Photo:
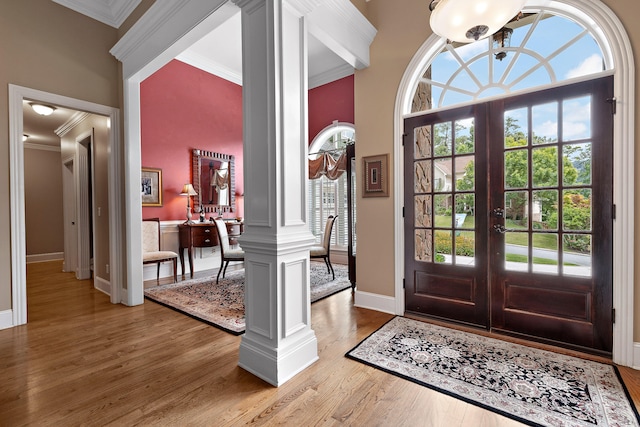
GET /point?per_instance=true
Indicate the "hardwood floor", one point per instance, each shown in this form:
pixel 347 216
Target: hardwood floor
pixel 84 361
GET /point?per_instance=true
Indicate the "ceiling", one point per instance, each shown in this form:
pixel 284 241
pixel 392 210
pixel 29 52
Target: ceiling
pixel 218 53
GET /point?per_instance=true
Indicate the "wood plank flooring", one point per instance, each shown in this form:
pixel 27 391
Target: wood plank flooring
pixel 84 361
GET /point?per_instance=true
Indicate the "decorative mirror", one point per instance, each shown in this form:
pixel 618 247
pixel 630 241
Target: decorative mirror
pixel 214 180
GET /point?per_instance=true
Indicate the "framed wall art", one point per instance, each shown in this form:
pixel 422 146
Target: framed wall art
pixel 151 187
pixel 376 176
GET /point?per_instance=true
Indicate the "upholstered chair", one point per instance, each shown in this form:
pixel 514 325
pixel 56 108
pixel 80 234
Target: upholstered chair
pixel 324 250
pixel 227 253
pixel 151 250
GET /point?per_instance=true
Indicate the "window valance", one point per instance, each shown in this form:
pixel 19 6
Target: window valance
pixel 327 165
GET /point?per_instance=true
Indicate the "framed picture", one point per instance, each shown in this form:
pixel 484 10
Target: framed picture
pixel 376 181
pixel 151 187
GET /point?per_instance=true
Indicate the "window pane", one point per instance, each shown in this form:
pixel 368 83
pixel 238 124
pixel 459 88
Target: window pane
pixel 464 136
pixel 545 253
pixel 545 210
pixel 576 164
pixel 576 210
pixel 577 254
pixel 442 175
pixel 576 118
pixel 544 123
pixel 465 173
pixel 442 208
pixel 442 139
pixel 465 208
pixel 516 251
pixel 545 166
pixel 516 169
pixel 443 245
pixel 516 207
pixel 516 129
pixel 422 138
pixel 465 248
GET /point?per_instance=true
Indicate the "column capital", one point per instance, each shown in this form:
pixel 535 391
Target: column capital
pixel 302 7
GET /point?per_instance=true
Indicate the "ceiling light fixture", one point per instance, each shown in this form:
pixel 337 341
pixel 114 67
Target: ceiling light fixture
pixel 501 41
pixel 465 21
pixel 42 109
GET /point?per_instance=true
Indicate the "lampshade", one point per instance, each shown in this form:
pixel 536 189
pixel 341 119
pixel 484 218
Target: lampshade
pixel 188 190
pixel 43 110
pixel 465 21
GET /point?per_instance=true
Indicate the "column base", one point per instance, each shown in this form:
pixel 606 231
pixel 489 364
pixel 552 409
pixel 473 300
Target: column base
pixel 277 365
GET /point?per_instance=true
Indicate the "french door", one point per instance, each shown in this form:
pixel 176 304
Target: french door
pixel 508 215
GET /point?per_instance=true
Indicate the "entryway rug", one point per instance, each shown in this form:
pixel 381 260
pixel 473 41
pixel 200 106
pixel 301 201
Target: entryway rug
pixel 536 387
pixel 222 305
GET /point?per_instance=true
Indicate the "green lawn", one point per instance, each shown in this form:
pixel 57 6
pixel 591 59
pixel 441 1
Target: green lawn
pixel 543 241
pixel 536 260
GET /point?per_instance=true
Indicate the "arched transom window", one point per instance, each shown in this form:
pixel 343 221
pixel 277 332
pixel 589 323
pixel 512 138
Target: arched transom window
pixel 544 49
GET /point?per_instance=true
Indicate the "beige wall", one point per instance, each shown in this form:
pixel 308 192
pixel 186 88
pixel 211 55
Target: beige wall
pixel 48 47
pixel 402 28
pixel 43 201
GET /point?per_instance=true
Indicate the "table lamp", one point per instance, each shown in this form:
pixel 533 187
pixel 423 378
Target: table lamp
pixel 188 191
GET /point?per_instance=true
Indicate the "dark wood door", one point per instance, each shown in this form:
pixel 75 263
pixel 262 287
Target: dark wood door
pixel 551 215
pixel 446 224
pixel 508 215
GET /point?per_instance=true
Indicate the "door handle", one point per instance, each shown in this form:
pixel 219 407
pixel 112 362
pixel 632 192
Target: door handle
pixel 501 228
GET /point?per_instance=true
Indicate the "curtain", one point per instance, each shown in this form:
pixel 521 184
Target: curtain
pixel 326 165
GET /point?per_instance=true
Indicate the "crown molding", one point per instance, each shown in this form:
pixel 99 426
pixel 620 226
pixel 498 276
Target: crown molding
pixel 210 66
pixel 77 118
pixel 41 147
pixel 110 12
pixel 331 75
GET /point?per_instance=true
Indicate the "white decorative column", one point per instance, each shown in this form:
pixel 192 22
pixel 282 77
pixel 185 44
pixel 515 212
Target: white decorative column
pixel 278 342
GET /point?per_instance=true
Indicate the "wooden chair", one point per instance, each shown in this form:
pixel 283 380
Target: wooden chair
pixel 227 254
pixel 324 250
pixel 151 251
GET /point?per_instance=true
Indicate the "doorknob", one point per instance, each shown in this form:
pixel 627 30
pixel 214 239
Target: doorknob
pixel 501 228
pixel 498 212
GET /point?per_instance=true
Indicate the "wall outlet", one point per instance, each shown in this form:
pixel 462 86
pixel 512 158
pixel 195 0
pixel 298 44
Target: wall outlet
pixel 107 268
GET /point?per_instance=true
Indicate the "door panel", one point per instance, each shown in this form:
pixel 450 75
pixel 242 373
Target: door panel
pixel 446 267
pixel 508 215
pixel 551 274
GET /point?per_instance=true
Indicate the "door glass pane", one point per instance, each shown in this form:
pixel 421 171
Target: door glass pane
pixel 422 208
pixel 442 175
pixel 442 139
pixel 465 209
pixel 544 123
pixel 577 254
pixel 576 164
pixel 516 129
pixel 545 166
pixel 545 253
pixel 576 210
pixel 465 248
pixel 422 176
pixel 516 169
pixel 465 173
pixel 422 139
pixel 423 245
pixel 544 214
pixel 516 207
pixel 516 251
pixel 443 245
pixel 464 136
pixel 442 209
pixel 576 118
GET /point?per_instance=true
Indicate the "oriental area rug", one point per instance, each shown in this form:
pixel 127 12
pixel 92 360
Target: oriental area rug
pixel 222 305
pixel 535 387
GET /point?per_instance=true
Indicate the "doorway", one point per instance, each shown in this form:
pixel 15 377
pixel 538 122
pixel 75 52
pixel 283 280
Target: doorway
pixel 509 216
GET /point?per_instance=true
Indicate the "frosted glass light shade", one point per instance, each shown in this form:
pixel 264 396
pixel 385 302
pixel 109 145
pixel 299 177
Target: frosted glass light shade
pixel 463 20
pixel 43 110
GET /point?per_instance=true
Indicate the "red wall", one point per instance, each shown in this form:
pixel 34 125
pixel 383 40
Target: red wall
pixel 183 108
pixel 333 101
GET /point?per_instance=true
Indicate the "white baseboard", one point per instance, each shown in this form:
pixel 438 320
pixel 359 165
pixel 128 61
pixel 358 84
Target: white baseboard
pixel 102 285
pixel 54 256
pixel 636 355
pixel 376 302
pixel 6 319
